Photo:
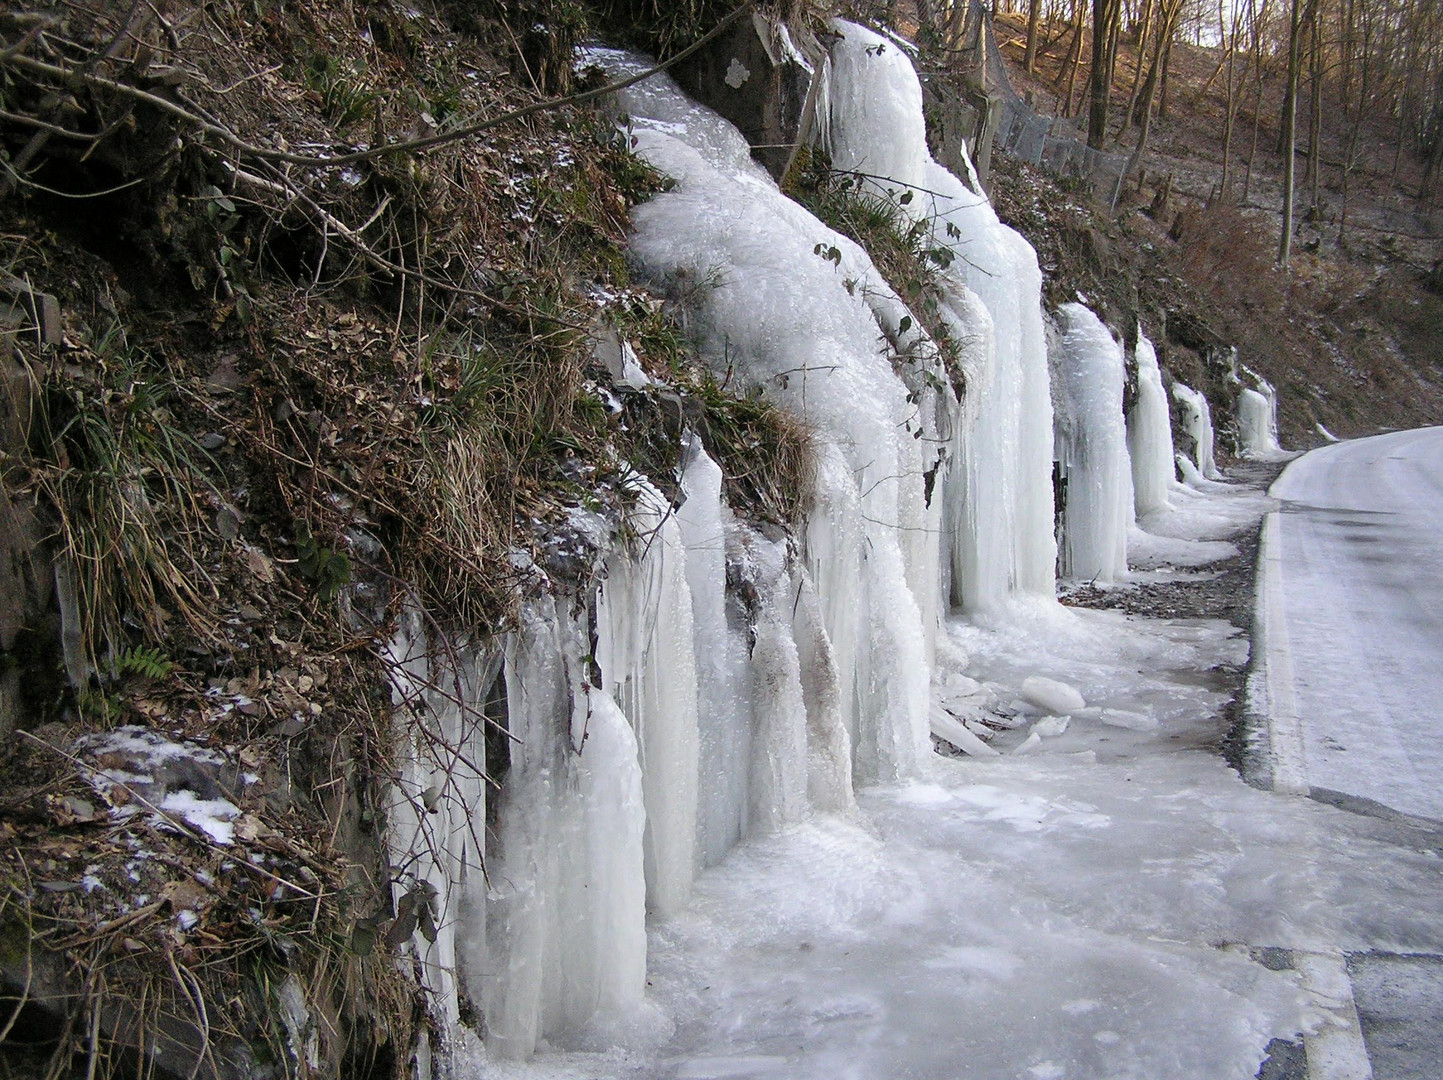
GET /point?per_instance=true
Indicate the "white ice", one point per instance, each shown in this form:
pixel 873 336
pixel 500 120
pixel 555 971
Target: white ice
pixel 812 334
pixel 1149 438
pixel 999 502
pixel 1083 911
pixel 1091 449
pixel 1258 423
pixel 1198 421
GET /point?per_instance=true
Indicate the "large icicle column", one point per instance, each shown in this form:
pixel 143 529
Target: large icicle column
pixel 809 332
pixel 1197 421
pixel 725 722
pixel 1258 419
pixel 1149 437
pixel 999 486
pixel 646 654
pixel 562 955
pixel 1092 449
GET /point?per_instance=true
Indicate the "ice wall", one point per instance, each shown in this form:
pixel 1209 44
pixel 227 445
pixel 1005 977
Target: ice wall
pixel 719 682
pixel 1092 449
pixel 529 901
pixel 1149 438
pixel 818 335
pixel 724 719
pixel 1000 499
pixel 1197 420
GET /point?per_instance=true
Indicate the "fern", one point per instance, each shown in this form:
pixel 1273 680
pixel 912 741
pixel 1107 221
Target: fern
pixel 146 662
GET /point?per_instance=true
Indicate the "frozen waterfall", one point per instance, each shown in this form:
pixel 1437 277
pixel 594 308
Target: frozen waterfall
pixel 1258 421
pixel 1149 438
pixel 999 504
pixel 1198 422
pixel 721 682
pixel 1092 449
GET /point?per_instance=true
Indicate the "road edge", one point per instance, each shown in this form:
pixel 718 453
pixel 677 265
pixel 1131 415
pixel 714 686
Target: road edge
pixel 1337 1050
pixel 1271 696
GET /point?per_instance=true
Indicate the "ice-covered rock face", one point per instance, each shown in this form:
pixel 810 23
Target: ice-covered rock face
pixel 810 333
pixel 1000 500
pixel 651 726
pixel 1092 449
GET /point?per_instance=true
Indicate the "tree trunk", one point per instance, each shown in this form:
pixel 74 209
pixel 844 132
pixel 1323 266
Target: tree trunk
pixel 1034 11
pixel 1166 68
pixel 1315 106
pixel 1104 14
pixel 1289 134
pixel 1257 25
pixel 1132 98
pixel 1232 103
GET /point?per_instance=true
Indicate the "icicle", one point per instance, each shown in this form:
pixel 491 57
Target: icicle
pixel 781 303
pixel 1149 437
pixel 554 958
pixel 723 684
pixel 1002 522
pixel 646 654
pixel 606 965
pixel 1197 420
pixel 779 750
pixel 1092 449
pixel 1258 420
pixel 829 748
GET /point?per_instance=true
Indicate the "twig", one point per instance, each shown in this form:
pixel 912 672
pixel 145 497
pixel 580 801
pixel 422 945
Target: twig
pixel 46 21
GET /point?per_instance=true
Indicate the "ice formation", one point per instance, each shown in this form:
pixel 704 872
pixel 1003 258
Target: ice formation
pixel 1149 438
pixel 1197 419
pixel 1258 421
pixel 720 683
pixel 805 330
pixel 1092 449
pixel 1000 505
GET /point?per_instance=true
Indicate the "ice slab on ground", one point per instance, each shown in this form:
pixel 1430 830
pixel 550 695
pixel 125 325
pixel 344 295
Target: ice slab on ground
pixel 1051 696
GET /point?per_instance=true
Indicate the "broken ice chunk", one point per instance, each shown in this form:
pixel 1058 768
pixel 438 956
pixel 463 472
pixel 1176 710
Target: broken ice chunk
pixel 1051 726
pixel 1052 696
pixel 620 361
pixel 1125 718
pixel 945 726
pixel 1029 744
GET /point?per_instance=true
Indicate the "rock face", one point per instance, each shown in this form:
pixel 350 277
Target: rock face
pixel 26 579
pixel 761 77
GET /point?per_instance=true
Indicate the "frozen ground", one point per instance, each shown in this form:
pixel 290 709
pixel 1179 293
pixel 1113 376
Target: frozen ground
pixel 1358 605
pixel 1089 908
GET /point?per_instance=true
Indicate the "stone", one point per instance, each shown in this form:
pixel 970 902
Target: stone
pixel 759 75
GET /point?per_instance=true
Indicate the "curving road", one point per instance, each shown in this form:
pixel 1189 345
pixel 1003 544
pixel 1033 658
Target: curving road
pixel 1357 600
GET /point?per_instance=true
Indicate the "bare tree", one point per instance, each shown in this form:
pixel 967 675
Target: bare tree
pixel 1289 133
pixel 1105 15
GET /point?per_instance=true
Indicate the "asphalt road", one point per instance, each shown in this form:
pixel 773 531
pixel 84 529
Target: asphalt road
pixel 1352 601
pixel 1360 546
